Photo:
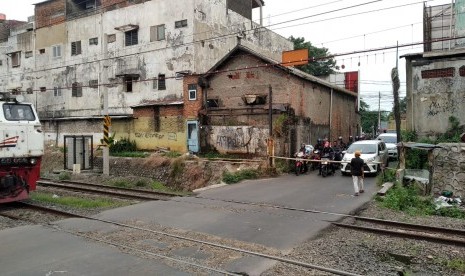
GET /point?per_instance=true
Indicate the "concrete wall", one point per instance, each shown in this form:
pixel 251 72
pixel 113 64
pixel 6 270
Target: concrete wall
pixel 449 169
pixel 238 139
pixel 432 100
pixel 168 132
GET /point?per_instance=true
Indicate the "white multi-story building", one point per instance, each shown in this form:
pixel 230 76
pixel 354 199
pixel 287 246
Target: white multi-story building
pixel 73 52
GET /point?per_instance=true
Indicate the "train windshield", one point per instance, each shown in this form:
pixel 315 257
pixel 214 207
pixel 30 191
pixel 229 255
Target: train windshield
pixel 18 112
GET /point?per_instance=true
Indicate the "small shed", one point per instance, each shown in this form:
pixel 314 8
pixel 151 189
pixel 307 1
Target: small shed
pixel 422 176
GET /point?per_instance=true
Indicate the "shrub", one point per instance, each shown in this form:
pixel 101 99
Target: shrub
pixel 230 178
pixel 406 199
pixel 64 176
pixel 123 145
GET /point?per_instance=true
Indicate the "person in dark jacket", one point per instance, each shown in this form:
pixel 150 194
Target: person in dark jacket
pixel 356 168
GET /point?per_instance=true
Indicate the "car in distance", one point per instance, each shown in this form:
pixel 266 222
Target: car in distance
pixel 391 143
pixel 374 153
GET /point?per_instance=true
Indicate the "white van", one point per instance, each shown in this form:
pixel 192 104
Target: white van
pixel 374 153
pixel 391 143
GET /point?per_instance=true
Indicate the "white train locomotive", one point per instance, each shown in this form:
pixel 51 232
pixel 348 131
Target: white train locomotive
pixel 21 148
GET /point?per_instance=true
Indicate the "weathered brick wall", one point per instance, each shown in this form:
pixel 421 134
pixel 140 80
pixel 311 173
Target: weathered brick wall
pixel 313 102
pixel 192 107
pixel 49 13
pixel 449 169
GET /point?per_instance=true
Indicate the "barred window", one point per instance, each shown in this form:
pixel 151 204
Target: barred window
pixel 93 41
pixel 438 73
pixel 161 82
pixel 76 90
pixel 131 37
pixel 76 48
pixel 180 24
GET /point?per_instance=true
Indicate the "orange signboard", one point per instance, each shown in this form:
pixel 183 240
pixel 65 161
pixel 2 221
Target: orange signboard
pixel 295 57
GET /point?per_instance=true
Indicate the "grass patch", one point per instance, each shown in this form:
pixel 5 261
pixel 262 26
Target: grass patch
pixel 389 175
pixel 135 154
pixel 231 178
pixel 76 202
pixel 172 154
pixel 214 154
pixel 406 199
pixel 456 264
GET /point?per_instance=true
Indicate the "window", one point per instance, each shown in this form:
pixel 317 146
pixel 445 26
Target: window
pixel 42 51
pixel 75 48
pixel 111 38
pixel 16 59
pixel 28 54
pixel 461 71
pixel 131 37
pixel 1 62
pixel 18 112
pixel 161 82
pixel 57 91
pixel 93 41
pixel 157 33
pixel 213 103
pixel 76 90
pixel 93 83
pixel 180 24
pixel 192 92
pixel 129 83
pixel 438 73
pixel 43 89
pixel 56 51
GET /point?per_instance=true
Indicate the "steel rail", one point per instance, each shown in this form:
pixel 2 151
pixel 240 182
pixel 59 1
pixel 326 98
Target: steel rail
pixel 75 188
pixel 112 187
pixel 451 241
pixel 267 256
pixel 48 210
pixel 439 230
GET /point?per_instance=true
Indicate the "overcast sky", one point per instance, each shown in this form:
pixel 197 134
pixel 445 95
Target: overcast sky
pixel 342 26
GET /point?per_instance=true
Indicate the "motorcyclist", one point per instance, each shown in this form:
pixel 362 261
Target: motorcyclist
pixel 319 145
pixel 351 140
pixel 327 151
pixel 303 150
pixel 341 144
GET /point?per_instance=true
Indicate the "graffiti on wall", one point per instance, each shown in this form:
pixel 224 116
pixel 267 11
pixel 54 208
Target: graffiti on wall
pixel 149 135
pixel 238 139
pixel 449 106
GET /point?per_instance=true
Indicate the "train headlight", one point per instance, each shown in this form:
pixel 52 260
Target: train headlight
pixel 33 161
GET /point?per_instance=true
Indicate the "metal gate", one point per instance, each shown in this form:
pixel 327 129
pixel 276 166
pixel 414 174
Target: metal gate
pixel 78 150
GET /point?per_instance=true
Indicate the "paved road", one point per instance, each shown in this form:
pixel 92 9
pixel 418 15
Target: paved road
pixel 276 228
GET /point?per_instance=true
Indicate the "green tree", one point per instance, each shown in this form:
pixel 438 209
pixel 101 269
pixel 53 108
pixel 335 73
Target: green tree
pixel 321 66
pixel 369 119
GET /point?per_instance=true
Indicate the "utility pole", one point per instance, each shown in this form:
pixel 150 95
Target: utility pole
pixel 395 92
pixel 270 126
pixel 379 112
pixel 104 68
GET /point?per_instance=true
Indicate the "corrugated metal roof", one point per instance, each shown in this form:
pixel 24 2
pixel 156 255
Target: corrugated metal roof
pixel 413 145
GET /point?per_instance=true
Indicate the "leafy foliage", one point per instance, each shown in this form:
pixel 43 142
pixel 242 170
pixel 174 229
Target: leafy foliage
pixel 369 119
pixel 322 65
pixel 123 145
pixel 230 178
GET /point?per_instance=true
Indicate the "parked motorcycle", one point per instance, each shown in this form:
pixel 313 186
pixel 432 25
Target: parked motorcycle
pixel 300 164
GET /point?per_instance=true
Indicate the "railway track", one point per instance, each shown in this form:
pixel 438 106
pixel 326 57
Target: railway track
pixel 394 228
pixel 175 236
pixel 107 190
